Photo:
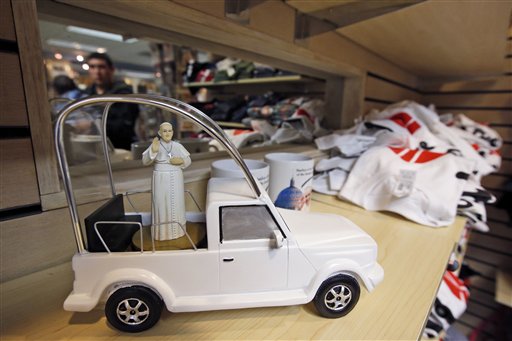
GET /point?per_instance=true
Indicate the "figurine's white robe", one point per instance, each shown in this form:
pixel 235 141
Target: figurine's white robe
pixel 168 193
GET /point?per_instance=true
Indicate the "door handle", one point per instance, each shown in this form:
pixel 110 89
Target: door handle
pixel 228 259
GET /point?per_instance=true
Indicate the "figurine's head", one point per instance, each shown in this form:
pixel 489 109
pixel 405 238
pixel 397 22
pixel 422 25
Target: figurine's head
pixel 166 131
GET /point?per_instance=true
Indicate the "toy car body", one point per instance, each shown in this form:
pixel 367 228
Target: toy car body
pixel 254 255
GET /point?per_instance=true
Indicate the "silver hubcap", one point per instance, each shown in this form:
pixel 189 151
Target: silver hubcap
pixel 132 311
pixel 338 297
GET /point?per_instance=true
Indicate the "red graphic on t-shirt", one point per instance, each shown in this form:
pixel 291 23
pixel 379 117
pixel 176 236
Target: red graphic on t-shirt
pixel 456 286
pixel 302 112
pixel 409 154
pixel 405 120
pixel 491 152
pixel 241 131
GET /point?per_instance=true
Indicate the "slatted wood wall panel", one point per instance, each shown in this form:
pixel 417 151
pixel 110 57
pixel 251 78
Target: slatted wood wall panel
pixel 18 177
pixel 36 97
pixel 381 91
pixel 18 181
pixel 488 101
pixel 6 21
pixel 492 104
pixel 13 111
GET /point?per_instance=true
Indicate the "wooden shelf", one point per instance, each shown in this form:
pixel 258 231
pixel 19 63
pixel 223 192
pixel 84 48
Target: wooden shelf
pixel 232 125
pixel 504 287
pixel 247 81
pixel 414 259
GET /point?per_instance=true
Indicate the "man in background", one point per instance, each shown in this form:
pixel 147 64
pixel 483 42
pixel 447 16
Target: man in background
pixel 122 116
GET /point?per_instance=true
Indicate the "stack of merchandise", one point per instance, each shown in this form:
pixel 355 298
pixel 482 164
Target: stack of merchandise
pixel 228 69
pixel 408 160
pixel 271 119
pixel 231 110
pixel 287 120
pixel 272 108
pixel 450 304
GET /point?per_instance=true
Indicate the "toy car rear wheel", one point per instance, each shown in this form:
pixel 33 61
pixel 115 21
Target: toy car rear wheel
pixel 133 309
pixel 337 296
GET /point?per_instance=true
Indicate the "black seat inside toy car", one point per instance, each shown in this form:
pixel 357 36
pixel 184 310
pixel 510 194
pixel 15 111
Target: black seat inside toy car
pixel 118 236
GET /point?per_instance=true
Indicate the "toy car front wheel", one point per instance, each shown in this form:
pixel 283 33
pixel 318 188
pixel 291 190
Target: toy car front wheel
pixel 133 309
pixel 337 296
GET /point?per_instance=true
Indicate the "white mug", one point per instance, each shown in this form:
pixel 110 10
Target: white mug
pixel 228 168
pixel 291 180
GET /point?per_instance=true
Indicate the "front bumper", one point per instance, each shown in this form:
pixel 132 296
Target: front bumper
pixel 375 275
pixel 79 302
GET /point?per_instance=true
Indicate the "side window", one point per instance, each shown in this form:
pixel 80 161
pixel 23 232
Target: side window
pixel 246 222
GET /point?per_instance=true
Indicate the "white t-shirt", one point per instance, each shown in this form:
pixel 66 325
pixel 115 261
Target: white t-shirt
pixel 420 185
pixel 430 133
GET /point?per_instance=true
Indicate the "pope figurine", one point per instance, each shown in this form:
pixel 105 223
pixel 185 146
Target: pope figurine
pixel 168 193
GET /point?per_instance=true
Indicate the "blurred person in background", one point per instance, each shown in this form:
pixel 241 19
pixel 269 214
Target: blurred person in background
pixel 122 116
pixel 65 92
pixel 65 87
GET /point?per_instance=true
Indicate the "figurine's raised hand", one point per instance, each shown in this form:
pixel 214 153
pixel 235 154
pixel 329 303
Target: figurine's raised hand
pixel 155 145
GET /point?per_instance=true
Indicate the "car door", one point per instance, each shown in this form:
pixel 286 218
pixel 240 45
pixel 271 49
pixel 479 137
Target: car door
pixel 249 257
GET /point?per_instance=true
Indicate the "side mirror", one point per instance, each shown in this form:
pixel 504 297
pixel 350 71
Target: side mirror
pixel 277 238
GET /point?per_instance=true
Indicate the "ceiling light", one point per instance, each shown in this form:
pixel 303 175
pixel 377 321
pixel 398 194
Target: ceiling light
pixel 101 50
pixel 80 58
pixel 58 56
pixel 100 34
pixel 85 66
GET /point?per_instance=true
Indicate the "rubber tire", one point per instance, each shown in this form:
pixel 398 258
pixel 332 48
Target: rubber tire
pixel 346 280
pixel 150 299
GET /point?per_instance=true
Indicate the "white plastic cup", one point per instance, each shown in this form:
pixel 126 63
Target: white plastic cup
pixel 228 168
pixel 291 180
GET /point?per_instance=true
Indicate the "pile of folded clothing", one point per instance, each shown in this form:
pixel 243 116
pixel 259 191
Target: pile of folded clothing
pixel 408 160
pixel 228 69
pixel 270 119
pixel 450 304
pixel 287 120
pixel 273 108
pixel 231 110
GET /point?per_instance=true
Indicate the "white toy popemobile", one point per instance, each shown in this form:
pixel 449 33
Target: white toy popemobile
pixel 252 254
